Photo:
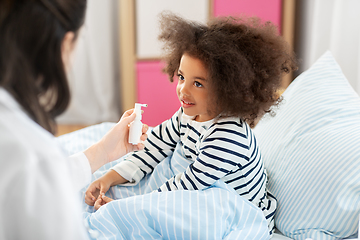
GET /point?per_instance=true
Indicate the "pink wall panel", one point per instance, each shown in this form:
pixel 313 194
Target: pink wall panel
pixel 267 10
pixel 154 89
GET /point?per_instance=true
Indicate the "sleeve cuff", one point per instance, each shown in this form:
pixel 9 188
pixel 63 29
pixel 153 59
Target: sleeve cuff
pixel 80 170
pixel 130 171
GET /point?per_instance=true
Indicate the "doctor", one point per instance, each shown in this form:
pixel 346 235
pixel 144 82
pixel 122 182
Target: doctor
pixel 38 184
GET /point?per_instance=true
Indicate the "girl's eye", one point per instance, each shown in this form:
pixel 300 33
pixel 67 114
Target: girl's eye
pixel 181 77
pixel 197 84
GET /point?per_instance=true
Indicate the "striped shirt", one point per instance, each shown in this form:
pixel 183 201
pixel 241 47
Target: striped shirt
pixel 224 149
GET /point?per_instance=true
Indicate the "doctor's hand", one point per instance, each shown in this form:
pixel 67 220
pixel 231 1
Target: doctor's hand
pixel 115 143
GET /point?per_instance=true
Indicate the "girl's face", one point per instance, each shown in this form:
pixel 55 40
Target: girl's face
pixel 193 89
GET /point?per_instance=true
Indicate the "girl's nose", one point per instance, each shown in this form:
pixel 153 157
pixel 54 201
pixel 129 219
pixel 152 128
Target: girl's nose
pixel 184 89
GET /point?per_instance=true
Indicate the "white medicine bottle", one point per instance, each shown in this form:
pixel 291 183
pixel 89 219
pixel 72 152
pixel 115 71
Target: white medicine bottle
pixel 136 126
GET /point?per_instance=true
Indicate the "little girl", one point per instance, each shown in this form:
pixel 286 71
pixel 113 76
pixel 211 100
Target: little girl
pixel 228 73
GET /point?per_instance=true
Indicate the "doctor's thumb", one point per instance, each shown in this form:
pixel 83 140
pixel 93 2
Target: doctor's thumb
pixel 130 118
pixel 125 121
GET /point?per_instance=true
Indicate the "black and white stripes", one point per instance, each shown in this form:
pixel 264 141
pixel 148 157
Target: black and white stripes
pixel 224 149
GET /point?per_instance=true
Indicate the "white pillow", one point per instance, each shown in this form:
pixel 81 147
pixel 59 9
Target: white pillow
pixel 311 150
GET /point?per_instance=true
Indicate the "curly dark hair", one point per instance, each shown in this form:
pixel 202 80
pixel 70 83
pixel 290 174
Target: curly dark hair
pixel 244 57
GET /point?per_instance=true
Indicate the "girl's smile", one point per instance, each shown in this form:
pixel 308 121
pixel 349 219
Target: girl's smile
pixel 186 104
pixel 193 89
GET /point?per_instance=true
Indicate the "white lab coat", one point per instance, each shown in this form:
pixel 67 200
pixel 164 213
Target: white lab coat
pixel 38 195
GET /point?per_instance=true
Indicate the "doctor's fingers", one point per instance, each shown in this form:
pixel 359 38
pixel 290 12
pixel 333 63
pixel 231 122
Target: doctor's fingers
pixel 127 117
pixel 127 113
pixel 143 137
pixel 145 128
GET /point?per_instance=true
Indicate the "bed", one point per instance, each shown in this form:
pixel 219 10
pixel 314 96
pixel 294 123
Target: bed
pixel 310 150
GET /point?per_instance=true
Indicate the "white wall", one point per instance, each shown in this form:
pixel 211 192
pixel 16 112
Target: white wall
pixel 147 21
pixel 330 25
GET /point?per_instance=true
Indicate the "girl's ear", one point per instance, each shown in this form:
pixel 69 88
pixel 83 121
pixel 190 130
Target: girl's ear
pixel 67 47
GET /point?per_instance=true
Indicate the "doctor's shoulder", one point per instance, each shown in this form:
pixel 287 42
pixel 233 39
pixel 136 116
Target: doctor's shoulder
pixel 23 141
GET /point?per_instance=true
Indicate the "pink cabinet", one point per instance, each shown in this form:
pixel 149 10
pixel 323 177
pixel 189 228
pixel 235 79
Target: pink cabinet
pixel 154 89
pixel 267 10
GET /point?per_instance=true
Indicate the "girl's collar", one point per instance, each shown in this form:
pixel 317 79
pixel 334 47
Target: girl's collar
pixel 192 119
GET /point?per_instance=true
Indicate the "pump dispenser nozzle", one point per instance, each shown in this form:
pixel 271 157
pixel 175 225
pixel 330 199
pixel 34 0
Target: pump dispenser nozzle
pixel 136 126
pixel 138 110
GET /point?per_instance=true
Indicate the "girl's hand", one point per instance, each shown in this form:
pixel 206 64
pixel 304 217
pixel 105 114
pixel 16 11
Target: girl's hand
pixel 115 143
pixel 102 200
pixel 101 186
pixel 95 189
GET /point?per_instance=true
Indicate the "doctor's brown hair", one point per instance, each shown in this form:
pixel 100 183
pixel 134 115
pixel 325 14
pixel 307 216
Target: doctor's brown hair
pixel 31 66
pixel 244 57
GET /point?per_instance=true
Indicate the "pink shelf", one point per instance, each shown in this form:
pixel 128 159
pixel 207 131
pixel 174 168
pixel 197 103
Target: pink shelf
pixel 267 10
